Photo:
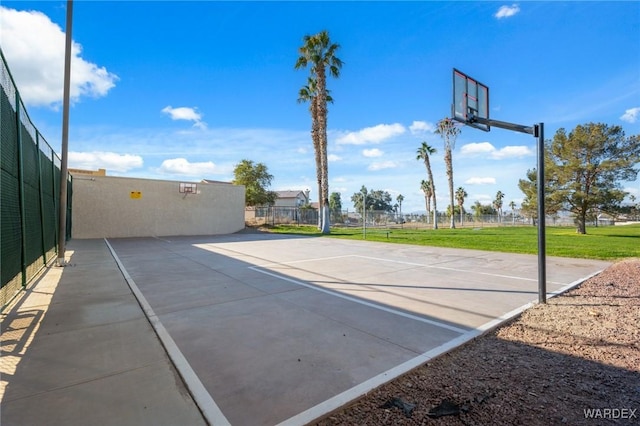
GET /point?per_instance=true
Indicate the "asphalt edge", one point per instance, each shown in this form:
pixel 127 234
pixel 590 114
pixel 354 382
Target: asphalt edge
pixel 203 400
pixel 339 401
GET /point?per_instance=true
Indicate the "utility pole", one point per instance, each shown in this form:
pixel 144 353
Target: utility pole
pixel 64 172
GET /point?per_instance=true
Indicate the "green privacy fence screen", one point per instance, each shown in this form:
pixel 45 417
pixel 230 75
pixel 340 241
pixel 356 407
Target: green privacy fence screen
pixel 29 194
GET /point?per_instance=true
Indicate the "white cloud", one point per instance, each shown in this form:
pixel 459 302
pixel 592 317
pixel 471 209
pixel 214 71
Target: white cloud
pixel 418 127
pixel 375 134
pixel 181 166
pixel 480 181
pixel 507 11
pixel 631 115
pixel 380 165
pixel 34 48
pixel 477 148
pixel 375 152
pixel 185 113
pixel 486 148
pixel 512 152
pixel 110 161
pixel 333 157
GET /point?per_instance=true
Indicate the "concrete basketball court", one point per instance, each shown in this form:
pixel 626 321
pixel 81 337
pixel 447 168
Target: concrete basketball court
pixel 268 329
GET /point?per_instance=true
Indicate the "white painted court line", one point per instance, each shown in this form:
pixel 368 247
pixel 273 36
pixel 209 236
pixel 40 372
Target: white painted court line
pixel 201 396
pixel 359 301
pixel 453 269
pixel 357 391
pixel 401 262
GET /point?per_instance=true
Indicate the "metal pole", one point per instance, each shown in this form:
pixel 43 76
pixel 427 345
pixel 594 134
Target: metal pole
pixel 62 217
pixel 542 250
pixel 364 215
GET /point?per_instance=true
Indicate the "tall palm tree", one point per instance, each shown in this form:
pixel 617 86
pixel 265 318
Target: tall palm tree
pixel 461 194
pixel 319 53
pixel 512 205
pixel 497 203
pixel 448 131
pixel 425 186
pixel 308 93
pixel 424 153
pixel 400 199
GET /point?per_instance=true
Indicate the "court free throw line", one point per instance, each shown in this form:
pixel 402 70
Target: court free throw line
pixel 359 301
pixel 453 269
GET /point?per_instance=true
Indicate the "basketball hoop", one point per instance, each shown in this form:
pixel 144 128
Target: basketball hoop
pixel 187 188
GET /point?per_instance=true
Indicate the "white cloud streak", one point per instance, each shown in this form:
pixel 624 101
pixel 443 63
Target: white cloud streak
pixel 185 113
pixel 111 161
pixel 375 134
pixel 375 152
pixel 181 166
pixel 507 11
pixel 420 127
pixel 488 150
pixel 631 115
pixel 34 48
pixel 381 165
pixel 480 181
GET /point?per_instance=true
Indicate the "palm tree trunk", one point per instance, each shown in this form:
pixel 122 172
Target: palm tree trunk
pixel 322 127
pixel 433 194
pixel 315 136
pixel 449 162
pixel 426 202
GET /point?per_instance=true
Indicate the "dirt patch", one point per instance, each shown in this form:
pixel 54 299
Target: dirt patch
pixel 574 361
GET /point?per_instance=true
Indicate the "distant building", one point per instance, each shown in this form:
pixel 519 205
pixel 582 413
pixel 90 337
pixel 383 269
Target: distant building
pixel 215 181
pixel 99 172
pixel 294 198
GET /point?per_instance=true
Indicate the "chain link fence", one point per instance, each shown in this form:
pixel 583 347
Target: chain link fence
pixel 275 215
pixel 29 194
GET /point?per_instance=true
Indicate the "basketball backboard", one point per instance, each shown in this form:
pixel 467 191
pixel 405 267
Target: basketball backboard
pixel 470 101
pixel 188 188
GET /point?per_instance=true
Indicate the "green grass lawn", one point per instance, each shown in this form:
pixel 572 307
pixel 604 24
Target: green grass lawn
pixel 608 242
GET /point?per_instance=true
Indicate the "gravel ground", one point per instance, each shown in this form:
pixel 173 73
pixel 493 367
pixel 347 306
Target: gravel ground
pixel 574 361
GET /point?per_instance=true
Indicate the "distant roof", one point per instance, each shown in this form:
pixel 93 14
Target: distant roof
pixel 215 181
pixel 99 172
pixel 289 194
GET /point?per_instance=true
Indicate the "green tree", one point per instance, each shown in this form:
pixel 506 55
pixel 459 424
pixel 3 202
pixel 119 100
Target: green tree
pixel 448 131
pixel 319 53
pixel 529 188
pixel 586 168
pixel 256 179
pixel 335 206
pixel 375 200
pixel 424 153
pixel 360 199
pixel 483 209
pixel 425 186
pixel 461 194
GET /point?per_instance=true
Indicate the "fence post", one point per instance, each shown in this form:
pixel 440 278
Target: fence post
pixel 23 236
pixel 41 195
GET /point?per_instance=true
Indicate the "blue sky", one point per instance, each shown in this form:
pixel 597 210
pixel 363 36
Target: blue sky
pixel 185 90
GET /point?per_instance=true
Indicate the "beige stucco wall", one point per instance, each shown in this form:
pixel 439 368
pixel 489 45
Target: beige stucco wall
pixel 109 206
